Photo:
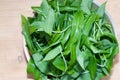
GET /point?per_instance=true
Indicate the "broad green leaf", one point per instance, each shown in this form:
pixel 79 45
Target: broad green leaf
pixel 92 68
pixel 77 25
pixel 84 76
pixel 59 63
pixel 66 77
pixel 55 38
pixel 76 3
pixel 106 44
pixel 26 33
pixel 86 6
pixel 49 14
pixel 115 50
pixel 38 75
pixel 89 23
pixel 92 47
pixel 109 36
pixel 36 25
pixel 30 67
pixel 80 59
pixel 72 56
pixel 101 10
pixel 41 65
pixel 109 64
pixel 66 37
pixel 37 57
pixel 105 71
pixel 75 74
pixel 53 53
pixel 99 76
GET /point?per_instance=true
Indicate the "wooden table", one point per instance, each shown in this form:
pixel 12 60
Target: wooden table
pixel 12 59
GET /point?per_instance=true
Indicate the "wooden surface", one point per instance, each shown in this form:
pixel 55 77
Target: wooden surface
pixel 12 59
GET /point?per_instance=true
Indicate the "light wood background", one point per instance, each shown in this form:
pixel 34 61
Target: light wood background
pixel 12 59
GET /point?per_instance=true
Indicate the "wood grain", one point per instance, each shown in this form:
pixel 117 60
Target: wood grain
pixel 12 59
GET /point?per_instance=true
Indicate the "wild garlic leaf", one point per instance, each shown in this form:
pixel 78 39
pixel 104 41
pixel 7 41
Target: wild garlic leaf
pixel 92 68
pixel 38 75
pixel 80 60
pixel 76 3
pixel 84 76
pixel 86 6
pixel 53 53
pixel 66 37
pixel 72 56
pixel 49 18
pixel 77 25
pixel 99 75
pixel 30 67
pixel 105 71
pixel 26 33
pixel 89 23
pixel 59 63
pixel 36 25
pixel 101 10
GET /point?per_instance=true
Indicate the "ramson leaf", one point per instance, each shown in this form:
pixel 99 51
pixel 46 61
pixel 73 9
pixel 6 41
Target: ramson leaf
pixel 101 10
pixel 53 53
pixel 49 18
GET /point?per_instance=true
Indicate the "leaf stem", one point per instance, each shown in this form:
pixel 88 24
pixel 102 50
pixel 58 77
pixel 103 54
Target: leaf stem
pixel 99 27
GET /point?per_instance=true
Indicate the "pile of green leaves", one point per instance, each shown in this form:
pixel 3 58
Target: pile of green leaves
pixel 69 40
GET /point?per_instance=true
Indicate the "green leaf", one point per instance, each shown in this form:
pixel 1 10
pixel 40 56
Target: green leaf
pixel 109 64
pixel 59 63
pixel 48 22
pixel 89 23
pixel 30 67
pixel 106 44
pixel 36 25
pixel 115 50
pixel 109 36
pixel 77 25
pixel 101 10
pixel 38 75
pixel 92 68
pixel 37 57
pixel 99 76
pixel 86 6
pixel 76 3
pixel 91 46
pixel 66 37
pixel 53 53
pixel 26 33
pixel 41 65
pixel 84 76
pixel 81 59
pixel 66 77
pixel 72 56
pixel 105 71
